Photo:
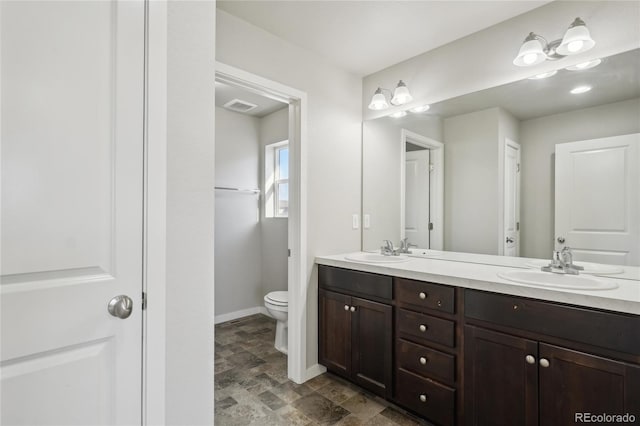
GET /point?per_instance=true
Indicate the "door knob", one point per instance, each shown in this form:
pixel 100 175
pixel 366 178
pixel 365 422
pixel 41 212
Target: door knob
pixel 560 240
pixel 120 306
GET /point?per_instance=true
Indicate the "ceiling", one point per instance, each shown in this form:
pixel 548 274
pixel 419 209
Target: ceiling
pixel 265 106
pixel 364 37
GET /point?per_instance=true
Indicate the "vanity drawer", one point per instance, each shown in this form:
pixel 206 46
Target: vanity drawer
pixel 425 361
pixel 372 286
pixel 432 400
pixel 420 295
pixel 610 330
pixel 425 328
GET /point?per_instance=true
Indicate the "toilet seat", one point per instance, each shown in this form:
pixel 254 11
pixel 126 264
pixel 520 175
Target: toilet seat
pixel 278 298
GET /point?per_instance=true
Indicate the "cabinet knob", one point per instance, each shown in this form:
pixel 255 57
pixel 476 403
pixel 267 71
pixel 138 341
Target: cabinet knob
pixel 544 362
pixel 530 359
pixel 423 295
pixel 352 309
pixel 439 303
pixel 346 307
pixel 423 328
pixel 423 360
pixel 423 398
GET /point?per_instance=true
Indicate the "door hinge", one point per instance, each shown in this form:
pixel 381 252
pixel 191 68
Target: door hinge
pixel 144 301
pixel 518 168
pixel 430 226
pixel 431 167
pixel 288 252
pixel 517 226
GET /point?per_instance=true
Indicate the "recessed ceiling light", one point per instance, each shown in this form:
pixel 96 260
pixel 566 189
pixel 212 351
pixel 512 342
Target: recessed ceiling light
pixel 419 109
pixel 543 75
pixel 580 89
pixel 585 65
pixel 398 114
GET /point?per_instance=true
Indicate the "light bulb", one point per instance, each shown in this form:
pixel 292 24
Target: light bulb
pixel 575 46
pixel 529 58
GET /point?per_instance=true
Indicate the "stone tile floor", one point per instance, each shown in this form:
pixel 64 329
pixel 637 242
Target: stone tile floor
pixel 251 386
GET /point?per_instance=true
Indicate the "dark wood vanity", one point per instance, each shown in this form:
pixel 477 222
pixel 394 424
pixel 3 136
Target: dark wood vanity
pixel 458 356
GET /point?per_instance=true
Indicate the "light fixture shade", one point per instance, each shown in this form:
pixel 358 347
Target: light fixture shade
pixel 576 40
pixel 531 52
pixel 401 95
pixel 379 101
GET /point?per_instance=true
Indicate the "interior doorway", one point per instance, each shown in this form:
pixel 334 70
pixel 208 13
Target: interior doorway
pixel 297 278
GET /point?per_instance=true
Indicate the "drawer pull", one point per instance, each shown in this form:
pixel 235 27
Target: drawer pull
pixel 423 360
pixel 544 362
pixel 346 307
pixel 423 398
pixel 530 359
pixel 353 309
pixel 515 307
pixel 423 295
pixel 423 328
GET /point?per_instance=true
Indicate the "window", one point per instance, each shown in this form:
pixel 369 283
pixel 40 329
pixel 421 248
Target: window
pixel 277 179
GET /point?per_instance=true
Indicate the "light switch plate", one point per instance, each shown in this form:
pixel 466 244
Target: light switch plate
pixel 367 221
pixel 355 221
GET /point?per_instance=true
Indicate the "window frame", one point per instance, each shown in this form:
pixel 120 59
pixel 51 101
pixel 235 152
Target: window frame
pixel 272 180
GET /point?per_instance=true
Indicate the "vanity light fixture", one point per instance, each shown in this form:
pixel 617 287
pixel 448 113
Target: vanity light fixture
pixel 580 89
pixel 419 109
pixel 585 65
pixel 544 75
pixel 535 48
pixel 400 96
pixel 398 114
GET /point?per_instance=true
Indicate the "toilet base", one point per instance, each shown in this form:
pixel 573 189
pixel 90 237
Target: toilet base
pixel 282 342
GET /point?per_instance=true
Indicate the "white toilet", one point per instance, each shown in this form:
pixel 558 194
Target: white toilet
pixel 277 304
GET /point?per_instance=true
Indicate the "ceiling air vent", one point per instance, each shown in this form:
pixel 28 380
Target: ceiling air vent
pixel 238 105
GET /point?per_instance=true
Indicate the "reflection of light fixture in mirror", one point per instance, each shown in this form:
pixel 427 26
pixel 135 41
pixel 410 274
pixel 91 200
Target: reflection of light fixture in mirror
pixel 419 109
pixel 400 96
pixel 544 75
pixel 535 48
pixel 398 114
pixel 585 65
pixel 580 89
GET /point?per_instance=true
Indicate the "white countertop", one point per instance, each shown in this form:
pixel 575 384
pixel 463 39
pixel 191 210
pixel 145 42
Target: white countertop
pixel 466 270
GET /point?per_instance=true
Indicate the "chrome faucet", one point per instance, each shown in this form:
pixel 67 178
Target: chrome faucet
pixel 562 263
pixel 387 249
pixel 405 245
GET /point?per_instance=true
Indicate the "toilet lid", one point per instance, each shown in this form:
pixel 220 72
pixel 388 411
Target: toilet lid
pixel 278 297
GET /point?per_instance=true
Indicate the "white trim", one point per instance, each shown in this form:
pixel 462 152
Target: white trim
pixel 436 184
pixel 315 370
pixel 298 278
pixel 155 221
pixel 502 146
pixel 241 314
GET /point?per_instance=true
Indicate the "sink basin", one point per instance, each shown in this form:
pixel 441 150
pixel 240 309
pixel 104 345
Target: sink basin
pixel 589 267
pixel 548 279
pixel 376 258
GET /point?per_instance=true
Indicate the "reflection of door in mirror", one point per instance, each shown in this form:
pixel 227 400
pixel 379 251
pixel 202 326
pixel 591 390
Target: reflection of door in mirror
pixel 598 199
pixel 416 212
pixel 511 223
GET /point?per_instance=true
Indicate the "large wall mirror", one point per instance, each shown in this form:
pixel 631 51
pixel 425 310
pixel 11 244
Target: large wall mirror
pixel 515 170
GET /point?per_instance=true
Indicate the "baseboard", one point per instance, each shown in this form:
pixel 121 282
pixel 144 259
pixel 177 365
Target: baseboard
pixel 240 314
pixel 314 370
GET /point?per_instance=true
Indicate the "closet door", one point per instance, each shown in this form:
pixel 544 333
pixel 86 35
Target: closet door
pixel 72 157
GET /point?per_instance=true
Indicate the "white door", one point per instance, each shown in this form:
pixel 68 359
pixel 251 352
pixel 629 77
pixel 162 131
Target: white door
pixel 511 243
pixel 416 211
pixel 597 199
pixel 72 158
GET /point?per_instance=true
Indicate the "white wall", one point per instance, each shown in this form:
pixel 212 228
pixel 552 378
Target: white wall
pixel 538 138
pixel 238 245
pixel 471 182
pixel 190 212
pixel 273 128
pixel 333 152
pixel 381 173
pixel 484 59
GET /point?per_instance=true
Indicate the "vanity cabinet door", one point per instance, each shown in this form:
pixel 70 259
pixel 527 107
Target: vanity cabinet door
pixel 573 382
pixel 371 345
pixel 335 331
pixel 501 379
